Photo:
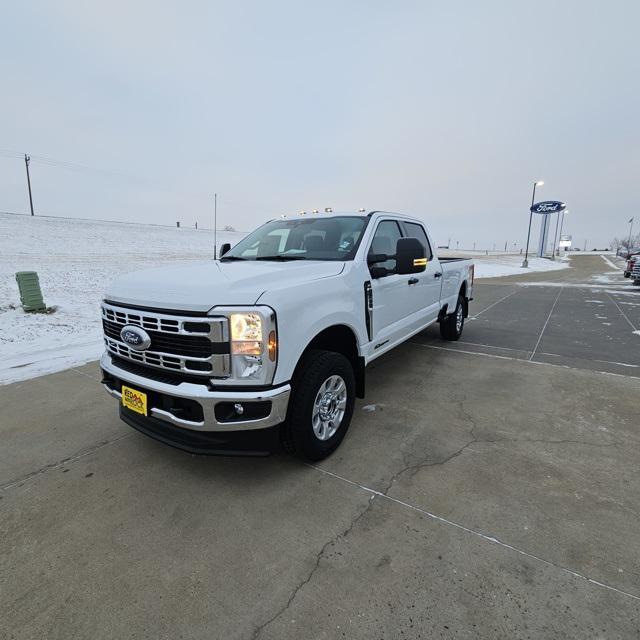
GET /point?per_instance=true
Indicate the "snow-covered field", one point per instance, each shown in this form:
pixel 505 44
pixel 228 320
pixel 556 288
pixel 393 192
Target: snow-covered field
pixel 509 265
pixel 76 259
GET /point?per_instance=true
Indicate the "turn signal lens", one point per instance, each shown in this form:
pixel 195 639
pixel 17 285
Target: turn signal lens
pixel 273 346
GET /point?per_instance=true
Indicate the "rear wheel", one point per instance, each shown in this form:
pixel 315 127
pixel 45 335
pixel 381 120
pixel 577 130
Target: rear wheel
pixel 451 325
pixel 321 406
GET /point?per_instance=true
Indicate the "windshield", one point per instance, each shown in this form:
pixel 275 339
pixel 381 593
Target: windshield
pixel 302 239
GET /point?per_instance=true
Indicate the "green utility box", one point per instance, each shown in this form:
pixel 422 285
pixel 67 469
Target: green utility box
pixel 30 294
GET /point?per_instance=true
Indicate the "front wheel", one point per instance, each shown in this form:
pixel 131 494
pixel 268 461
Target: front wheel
pixel 321 406
pixel 451 326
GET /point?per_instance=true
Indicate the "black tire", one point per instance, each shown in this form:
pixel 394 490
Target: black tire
pixel 297 433
pixel 451 325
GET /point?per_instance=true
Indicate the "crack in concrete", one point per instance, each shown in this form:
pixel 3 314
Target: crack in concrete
pixel 413 468
pixel 487 538
pixel 60 463
pixel 315 567
pixel 474 439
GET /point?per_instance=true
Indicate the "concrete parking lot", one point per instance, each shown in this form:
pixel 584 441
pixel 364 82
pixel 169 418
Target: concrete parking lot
pixel 487 489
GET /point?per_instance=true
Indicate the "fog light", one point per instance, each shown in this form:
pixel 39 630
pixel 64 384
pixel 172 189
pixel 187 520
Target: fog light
pixel 239 409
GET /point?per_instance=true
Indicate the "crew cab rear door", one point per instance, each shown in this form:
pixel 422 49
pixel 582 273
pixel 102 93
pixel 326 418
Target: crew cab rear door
pixel 425 293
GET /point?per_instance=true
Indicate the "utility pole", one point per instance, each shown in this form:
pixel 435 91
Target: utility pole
pixel 215 225
pixel 27 159
pixel 629 241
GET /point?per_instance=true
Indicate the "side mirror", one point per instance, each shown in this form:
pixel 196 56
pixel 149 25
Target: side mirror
pixel 374 258
pixel 410 256
pixel 224 248
pixel 379 272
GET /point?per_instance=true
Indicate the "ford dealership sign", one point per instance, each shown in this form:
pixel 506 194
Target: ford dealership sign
pixel 549 206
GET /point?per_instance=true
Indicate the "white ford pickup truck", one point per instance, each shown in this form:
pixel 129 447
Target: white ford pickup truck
pixel 268 345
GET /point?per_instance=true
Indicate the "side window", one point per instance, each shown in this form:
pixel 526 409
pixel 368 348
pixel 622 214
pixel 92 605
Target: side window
pixel 384 241
pixel 417 231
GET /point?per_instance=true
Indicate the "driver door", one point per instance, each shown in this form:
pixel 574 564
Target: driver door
pixel 391 295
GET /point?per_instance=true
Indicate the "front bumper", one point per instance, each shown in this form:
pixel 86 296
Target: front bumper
pixel 272 403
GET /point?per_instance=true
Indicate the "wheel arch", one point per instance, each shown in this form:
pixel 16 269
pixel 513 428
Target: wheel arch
pixel 463 292
pixel 340 338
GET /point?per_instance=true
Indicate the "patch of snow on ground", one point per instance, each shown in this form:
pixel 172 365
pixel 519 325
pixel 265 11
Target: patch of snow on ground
pixel 509 265
pixel 76 260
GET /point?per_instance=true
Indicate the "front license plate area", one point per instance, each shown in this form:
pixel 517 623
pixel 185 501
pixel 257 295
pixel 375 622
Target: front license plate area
pixel 134 400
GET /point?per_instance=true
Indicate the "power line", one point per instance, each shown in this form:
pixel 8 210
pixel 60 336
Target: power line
pixel 84 168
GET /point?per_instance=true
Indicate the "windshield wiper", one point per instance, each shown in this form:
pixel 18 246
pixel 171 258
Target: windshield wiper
pixel 281 258
pixel 230 258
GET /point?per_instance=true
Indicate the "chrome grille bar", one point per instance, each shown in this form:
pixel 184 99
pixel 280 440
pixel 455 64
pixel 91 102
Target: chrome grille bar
pixel 216 328
pixel 184 329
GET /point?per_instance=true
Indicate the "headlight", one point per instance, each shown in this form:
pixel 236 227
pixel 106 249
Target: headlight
pixel 246 334
pixel 252 333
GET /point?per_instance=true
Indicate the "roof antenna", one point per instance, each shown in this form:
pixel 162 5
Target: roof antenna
pixel 215 224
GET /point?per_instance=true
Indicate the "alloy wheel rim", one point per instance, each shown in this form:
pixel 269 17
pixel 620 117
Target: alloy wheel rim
pixel 459 319
pixel 329 407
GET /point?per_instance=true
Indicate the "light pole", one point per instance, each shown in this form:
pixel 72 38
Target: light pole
pixel 561 225
pixel 629 242
pixel 525 262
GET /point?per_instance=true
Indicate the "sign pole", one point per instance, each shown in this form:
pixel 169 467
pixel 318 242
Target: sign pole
pixel 555 238
pixel 525 262
pixel 561 225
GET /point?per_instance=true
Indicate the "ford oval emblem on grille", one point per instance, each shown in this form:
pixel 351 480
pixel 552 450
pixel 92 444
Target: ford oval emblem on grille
pixel 135 337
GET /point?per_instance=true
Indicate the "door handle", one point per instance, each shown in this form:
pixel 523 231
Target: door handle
pixel 413 281
pixel 437 274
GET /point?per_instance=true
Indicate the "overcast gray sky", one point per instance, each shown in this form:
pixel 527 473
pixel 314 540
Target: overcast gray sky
pixel 447 111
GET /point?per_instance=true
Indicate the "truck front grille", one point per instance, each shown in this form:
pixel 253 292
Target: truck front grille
pixel 199 347
pixel 178 343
